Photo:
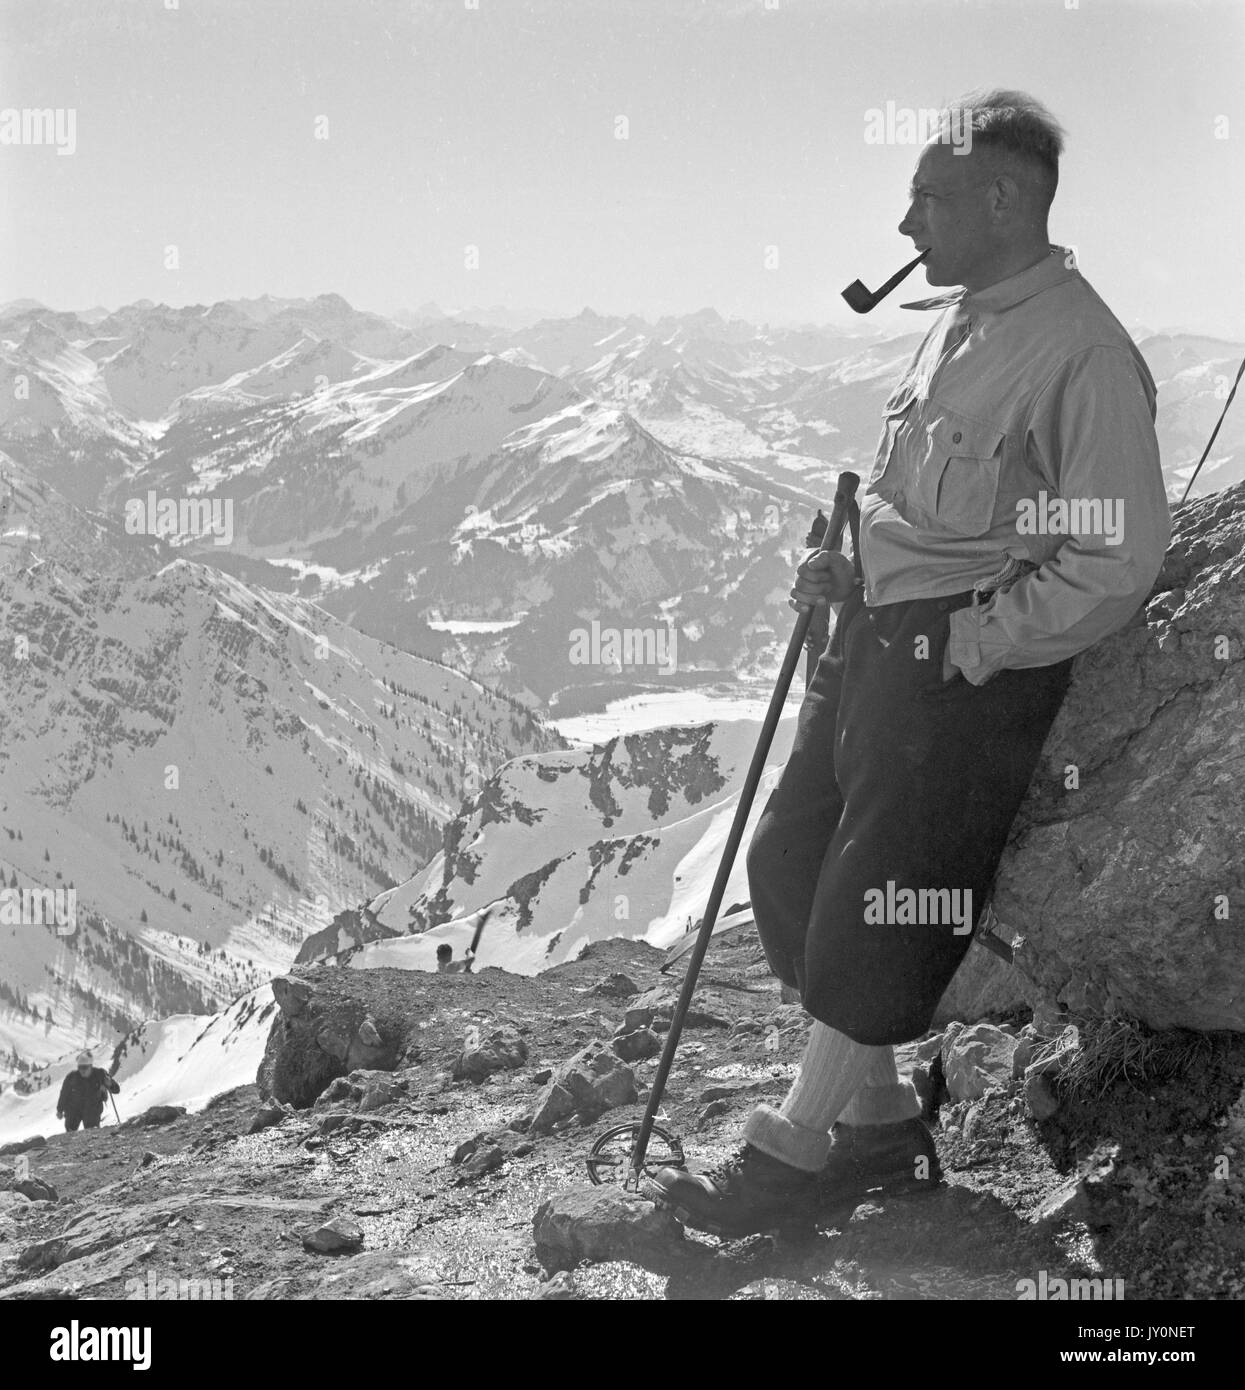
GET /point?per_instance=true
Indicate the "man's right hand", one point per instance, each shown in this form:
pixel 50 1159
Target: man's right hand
pixel 822 577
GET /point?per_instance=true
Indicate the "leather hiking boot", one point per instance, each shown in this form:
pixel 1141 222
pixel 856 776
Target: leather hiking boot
pixel 747 1193
pixel 898 1158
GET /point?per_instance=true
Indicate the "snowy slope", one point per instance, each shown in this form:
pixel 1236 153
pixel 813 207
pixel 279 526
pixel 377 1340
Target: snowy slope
pixel 622 839
pixel 182 1060
pixel 216 771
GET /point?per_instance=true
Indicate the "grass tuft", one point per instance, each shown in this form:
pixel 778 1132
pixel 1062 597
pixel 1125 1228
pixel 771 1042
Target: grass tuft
pixel 1116 1049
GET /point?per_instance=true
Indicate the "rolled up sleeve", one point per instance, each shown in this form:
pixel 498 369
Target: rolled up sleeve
pixel 1092 431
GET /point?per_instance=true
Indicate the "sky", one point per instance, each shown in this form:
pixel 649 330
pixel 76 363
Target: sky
pixel 473 153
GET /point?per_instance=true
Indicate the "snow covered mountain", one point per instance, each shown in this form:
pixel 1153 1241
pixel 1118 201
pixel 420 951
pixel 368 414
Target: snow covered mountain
pixel 482 512
pixel 214 771
pixel 1194 375
pixel 481 499
pixel 622 839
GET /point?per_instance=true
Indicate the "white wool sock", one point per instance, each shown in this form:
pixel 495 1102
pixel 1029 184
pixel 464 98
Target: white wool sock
pixel 798 1133
pixel 882 1098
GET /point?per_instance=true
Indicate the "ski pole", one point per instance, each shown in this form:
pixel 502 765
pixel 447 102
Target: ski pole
pixel 848 483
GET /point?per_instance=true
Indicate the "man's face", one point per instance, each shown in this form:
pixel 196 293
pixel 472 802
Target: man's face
pixel 84 1068
pixel 950 214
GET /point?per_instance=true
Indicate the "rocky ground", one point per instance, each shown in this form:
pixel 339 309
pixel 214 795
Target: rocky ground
pixel 443 1155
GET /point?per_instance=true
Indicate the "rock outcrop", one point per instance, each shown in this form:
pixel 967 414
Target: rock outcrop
pixel 332 1023
pixel 1126 870
pixel 601 1223
pixel 593 1081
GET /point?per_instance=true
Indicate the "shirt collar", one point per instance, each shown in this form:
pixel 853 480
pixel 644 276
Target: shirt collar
pixel 1051 270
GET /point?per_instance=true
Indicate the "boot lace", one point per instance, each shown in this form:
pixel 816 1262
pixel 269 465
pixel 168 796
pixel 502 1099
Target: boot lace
pixel 729 1167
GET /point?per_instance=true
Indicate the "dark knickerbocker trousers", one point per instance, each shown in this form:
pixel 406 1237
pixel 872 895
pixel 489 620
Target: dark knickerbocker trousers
pixel 894 775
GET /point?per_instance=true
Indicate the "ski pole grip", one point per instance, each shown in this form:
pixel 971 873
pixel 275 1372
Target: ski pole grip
pixel 843 495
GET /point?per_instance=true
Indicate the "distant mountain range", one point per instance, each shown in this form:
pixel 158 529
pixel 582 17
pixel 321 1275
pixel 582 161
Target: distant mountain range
pixel 479 493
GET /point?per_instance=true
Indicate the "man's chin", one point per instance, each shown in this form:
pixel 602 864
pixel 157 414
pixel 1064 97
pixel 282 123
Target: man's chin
pixel 934 275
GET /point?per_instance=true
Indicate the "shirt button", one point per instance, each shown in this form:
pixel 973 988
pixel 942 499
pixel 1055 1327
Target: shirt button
pixel 956 437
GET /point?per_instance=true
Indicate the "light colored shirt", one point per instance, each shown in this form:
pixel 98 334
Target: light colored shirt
pixel 1018 451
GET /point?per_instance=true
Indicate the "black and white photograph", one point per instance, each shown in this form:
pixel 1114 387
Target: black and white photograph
pixel 622 670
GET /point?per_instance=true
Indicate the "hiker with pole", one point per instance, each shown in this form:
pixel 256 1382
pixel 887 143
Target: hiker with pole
pixel 81 1101
pixel 446 964
pixel 952 650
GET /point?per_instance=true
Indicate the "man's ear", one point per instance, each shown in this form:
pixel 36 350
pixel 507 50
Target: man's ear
pixel 1004 195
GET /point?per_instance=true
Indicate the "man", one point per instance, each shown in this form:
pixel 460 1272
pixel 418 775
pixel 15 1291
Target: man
pixel 927 713
pixel 447 965
pixel 81 1101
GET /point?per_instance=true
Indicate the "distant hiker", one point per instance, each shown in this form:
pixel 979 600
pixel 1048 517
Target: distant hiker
pixel 1026 403
pixel 83 1092
pixel 447 965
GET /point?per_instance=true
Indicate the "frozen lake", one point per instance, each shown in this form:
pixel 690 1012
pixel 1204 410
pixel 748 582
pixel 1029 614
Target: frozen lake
pixel 658 710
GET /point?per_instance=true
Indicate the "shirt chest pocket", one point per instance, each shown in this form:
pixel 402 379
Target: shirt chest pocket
pixel 959 474
pixel 889 478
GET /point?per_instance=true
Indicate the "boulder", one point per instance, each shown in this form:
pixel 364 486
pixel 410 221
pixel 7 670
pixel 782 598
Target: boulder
pixel 654 1005
pixel 1040 1096
pixel 331 1023
pixel 1087 1195
pixel 35 1189
pixel 340 1235
pixel 728 1090
pixel 592 1081
pixel 977 1059
pixel 501 1050
pixel 92 1230
pixel 155 1115
pixel 486 1159
pixel 267 1116
pixel 616 986
pixel 601 1223
pixel 635 1046
pixel 369 1275
pixel 1124 870
pixel 928 1048
pixel 21 1146
pixel 655 1008
pixel 378 1094
pixel 341 1091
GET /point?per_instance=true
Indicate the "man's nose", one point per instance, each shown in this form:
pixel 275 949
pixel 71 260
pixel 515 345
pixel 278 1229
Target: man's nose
pixel 909 226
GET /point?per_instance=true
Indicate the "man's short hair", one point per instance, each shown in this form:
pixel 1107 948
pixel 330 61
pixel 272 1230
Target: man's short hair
pixel 444 951
pixel 1015 124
